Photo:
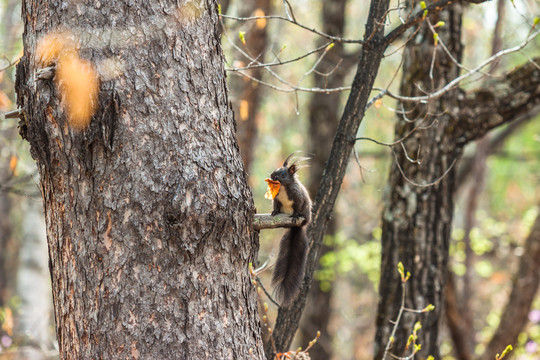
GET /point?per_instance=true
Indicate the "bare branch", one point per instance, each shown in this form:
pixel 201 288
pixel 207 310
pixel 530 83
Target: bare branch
pixel 292 21
pixel 432 8
pixel 277 63
pixel 269 221
pixel 452 84
pixel 422 185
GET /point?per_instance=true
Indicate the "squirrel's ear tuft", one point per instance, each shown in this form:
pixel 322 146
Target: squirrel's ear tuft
pixel 286 162
pixel 293 168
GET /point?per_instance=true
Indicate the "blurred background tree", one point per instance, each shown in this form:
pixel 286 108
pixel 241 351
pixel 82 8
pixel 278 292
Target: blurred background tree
pixel 497 197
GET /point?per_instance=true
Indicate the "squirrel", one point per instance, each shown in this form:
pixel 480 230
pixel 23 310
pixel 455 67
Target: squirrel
pixel 292 199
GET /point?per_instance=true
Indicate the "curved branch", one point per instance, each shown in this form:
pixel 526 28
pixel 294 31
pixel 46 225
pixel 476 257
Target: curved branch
pixel 417 18
pixel 515 95
pixel 524 288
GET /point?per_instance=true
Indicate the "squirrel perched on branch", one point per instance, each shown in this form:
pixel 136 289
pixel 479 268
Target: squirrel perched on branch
pixel 291 198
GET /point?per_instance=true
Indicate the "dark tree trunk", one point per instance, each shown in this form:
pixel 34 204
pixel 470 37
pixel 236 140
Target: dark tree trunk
pixel 323 120
pixel 246 93
pixel 417 219
pixel 524 289
pixel 147 208
pixel 9 246
pixel 344 139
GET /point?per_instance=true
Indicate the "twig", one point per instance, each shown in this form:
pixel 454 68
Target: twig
pixel 456 81
pixel 292 88
pixel 266 292
pixel 423 185
pixel 277 63
pixel 14 114
pixel 278 17
pixel 396 322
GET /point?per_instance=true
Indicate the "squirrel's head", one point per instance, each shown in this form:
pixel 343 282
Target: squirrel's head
pixel 287 172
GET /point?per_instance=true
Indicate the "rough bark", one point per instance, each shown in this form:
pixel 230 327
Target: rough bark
pixel 323 120
pixel 499 101
pixel 148 211
pixel 417 219
pixel 524 288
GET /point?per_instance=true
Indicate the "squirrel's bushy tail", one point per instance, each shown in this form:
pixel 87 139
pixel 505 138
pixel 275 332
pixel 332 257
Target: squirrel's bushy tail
pixel 289 268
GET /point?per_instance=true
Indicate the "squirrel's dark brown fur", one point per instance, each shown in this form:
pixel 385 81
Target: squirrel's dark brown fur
pixel 292 199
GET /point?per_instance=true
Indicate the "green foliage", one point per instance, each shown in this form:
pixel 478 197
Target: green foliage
pixel 349 255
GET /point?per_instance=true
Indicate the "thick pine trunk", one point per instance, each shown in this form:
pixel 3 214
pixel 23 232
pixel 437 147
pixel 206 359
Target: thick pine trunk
pixel 417 219
pixel 148 211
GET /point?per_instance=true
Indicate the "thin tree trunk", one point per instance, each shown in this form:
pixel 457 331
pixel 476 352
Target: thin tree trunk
pixel 9 246
pixel 524 289
pixel 369 61
pixel 323 120
pixel 147 208
pixel 34 286
pixel 247 94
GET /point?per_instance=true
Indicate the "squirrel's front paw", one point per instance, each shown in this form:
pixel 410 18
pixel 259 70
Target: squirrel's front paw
pixel 275 212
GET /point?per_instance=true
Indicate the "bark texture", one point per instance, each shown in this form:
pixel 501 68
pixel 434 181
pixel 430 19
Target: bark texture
pixel 417 218
pixel 148 211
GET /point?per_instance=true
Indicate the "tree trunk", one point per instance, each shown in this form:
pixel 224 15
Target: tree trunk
pixel 147 207
pixel 344 139
pixel 246 93
pixel 9 254
pixel 34 286
pixel 323 119
pixel 417 219
pixel 524 288
pixel 419 210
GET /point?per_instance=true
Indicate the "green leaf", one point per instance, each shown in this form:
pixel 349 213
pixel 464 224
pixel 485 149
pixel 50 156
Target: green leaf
pixel 440 24
pixel 505 352
pixel 400 269
pixel 219 9
pixel 423 5
pixel 410 340
pixel 241 35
